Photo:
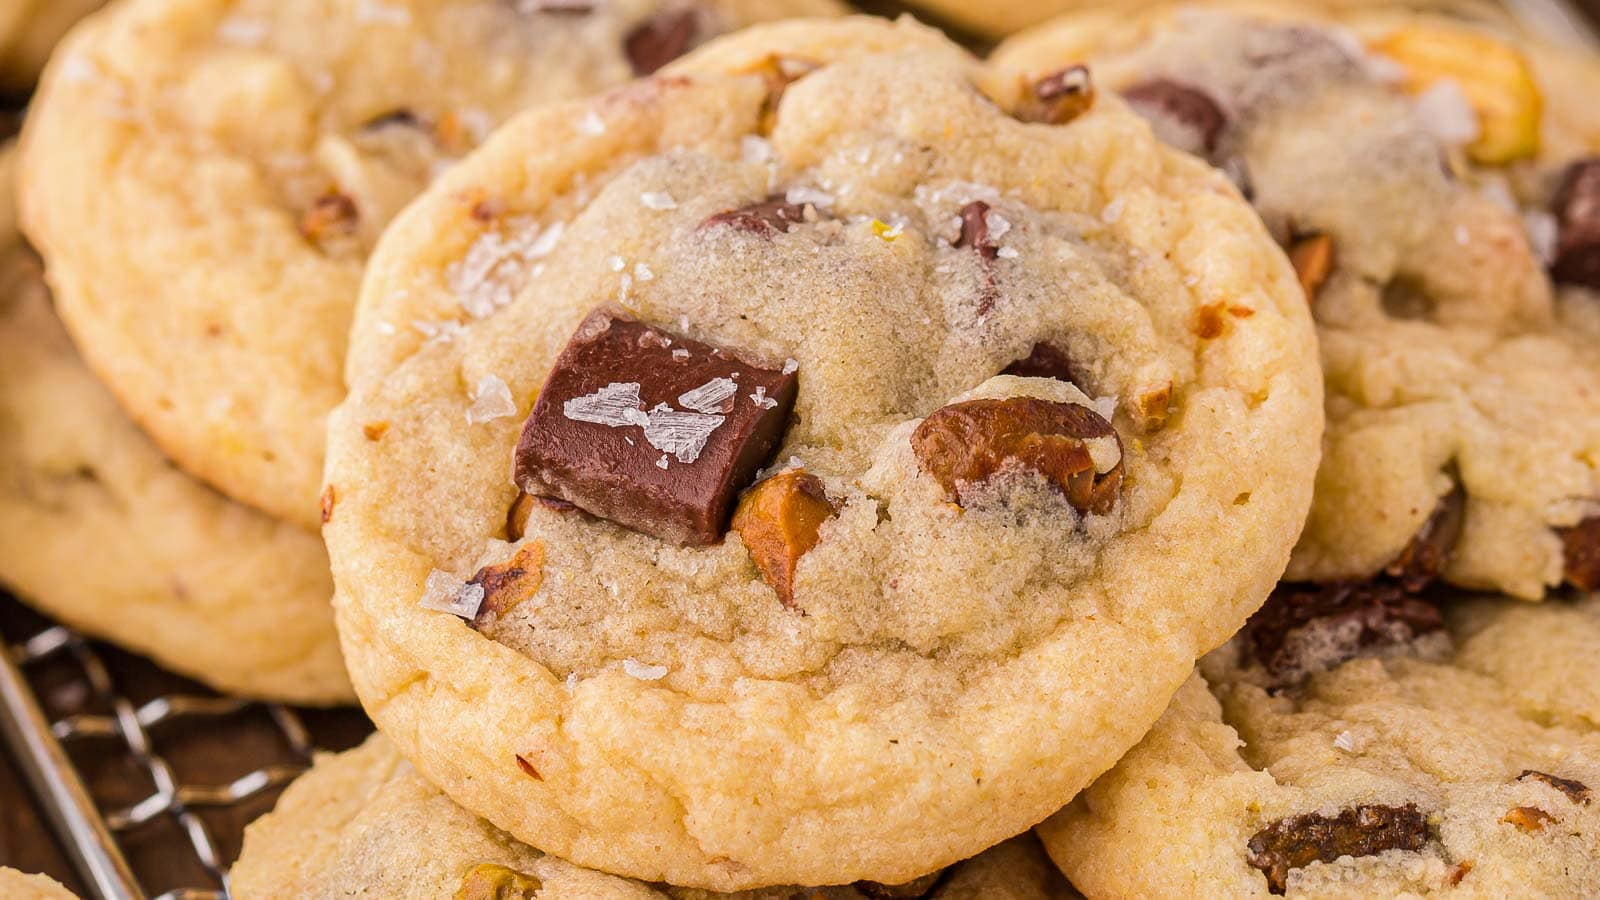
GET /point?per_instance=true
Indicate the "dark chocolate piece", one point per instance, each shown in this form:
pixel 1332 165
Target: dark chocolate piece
pixel 1577 211
pixel 1181 115
pixel 1305 629
pixel 975 237
pixel 1298 841
pixel 1429 551
pixel 1059 97
pixel 1044 361
pixel 773 215
pixel 1576 791
pixel 966 444
pixel 653 431
pixel 661 39
pixel 1580 547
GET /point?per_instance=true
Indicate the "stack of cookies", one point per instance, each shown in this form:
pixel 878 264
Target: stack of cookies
pixel 1160 459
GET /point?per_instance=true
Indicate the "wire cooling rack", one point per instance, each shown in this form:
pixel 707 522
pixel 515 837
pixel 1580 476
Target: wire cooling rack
pixel 145 779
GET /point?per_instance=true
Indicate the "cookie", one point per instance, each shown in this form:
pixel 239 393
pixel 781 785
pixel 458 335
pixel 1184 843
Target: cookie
pixel 1436 184
pixel 996 20
pixel 364 824
pixel 1445 756
pixel 101 531
pixel 29 30
pixel 19 886
pixel 1018 410
pixel 205 181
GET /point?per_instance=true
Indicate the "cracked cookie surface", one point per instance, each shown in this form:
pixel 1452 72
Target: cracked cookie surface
pixel 921 652
pixel 101 531
pixel 1434 182
pixel 205 181
pixel 364 823
pixel 1461 765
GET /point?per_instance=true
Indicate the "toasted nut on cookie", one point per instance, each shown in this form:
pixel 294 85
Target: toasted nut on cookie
pixel 779 520
pixel 1313 262
pixel 1057 98
pixel 509 583
pixel 1070 445
pixel 1495 78
pixel 488 881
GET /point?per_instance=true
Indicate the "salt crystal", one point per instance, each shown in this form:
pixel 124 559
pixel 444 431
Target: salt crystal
pixel 790 366
pixel 440 332
pixel 800 196
pixel 643 672
pixel 444 592
pixel 491 400
pixel 1007 253
pixel 75 69
pixel 1345 741
pixel 642 272
pixel 1112 211
pixel 680 354
pixel 546 241
pixel 755 149
pixel 624 287
pixel 572 682
pixel 997 224
pixel 760 398
pixel 592 123
pixel 1444 111
pixel 615 263
pixel 662 462
pixel 497 264
pixel 616 404
pixel 682 434
pixel 708 397
pixel 386 328
pixel 1544 233
pixel 658 200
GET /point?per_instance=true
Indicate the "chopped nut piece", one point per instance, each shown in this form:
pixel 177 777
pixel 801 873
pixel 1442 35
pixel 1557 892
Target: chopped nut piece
pixel 375 430
pixel 1208 321
pixel 1458 872
pixel 1528 818
pixel 330 499
pixel 1576 208
pixel 507 584
pixel 1576 791
pixel 1306 629
pixel 1313 261
pixel 331 215
pixel 488 881
pixel 1058 98
pixel 1297 841
pixel 517 516
pixel 779 72
pixel 966 444
pixel 661 39
pixel 1154 407
pixel 1495 77
pixel 528 769
pixel 1429 551
pixel 779 520
pixel 1580 546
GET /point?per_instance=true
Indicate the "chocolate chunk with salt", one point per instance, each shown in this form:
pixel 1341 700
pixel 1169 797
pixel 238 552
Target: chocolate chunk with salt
pixel 1181 115
pixel 1059 97
pixel 661 39
pixel 975 236
pixel 773 215
pixel 651 430
pixel 1306 629
pixel 1045 360
pixel 1298 841
pixel 1577 211
pixel 1580 547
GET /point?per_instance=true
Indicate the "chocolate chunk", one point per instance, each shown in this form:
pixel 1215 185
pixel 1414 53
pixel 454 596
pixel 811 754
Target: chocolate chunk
pixel 975 237
pixel 1577 211
pixel 488 881
pixel 1181 115
pixel 1429 551
pixel 774 215
pixel 653 431
pixel 661 39
pixel 966 444
pixel 1298 841
pixel 1058 98
pixel 1305 629
pixel 331 215
pixel 1580 547
pixel 1576 791
pixel 507 584
pixel 1044 361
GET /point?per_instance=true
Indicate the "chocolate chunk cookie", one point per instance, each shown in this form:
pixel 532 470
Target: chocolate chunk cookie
pixel 1462 762
pixel 721 550
pixel 101 531
pixel 205 181
pixel 364 823
pixel 1436 186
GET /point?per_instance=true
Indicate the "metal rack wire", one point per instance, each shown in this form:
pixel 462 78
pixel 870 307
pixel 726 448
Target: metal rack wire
pixel 121 830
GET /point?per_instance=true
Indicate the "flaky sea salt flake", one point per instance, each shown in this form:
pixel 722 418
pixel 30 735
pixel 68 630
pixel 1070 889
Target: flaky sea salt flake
pixel 444 592
pixel 801 196
pixel 1112 211
pixel 682 434
pixel 709 397
pixel 615 405
pixel 643 672
pixel 592 124
pixel 759 397
pixel 790 366
pixel 1007 253
pixel 491 399
pixel 642 273
pixel 1345 741
pixel 657 200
